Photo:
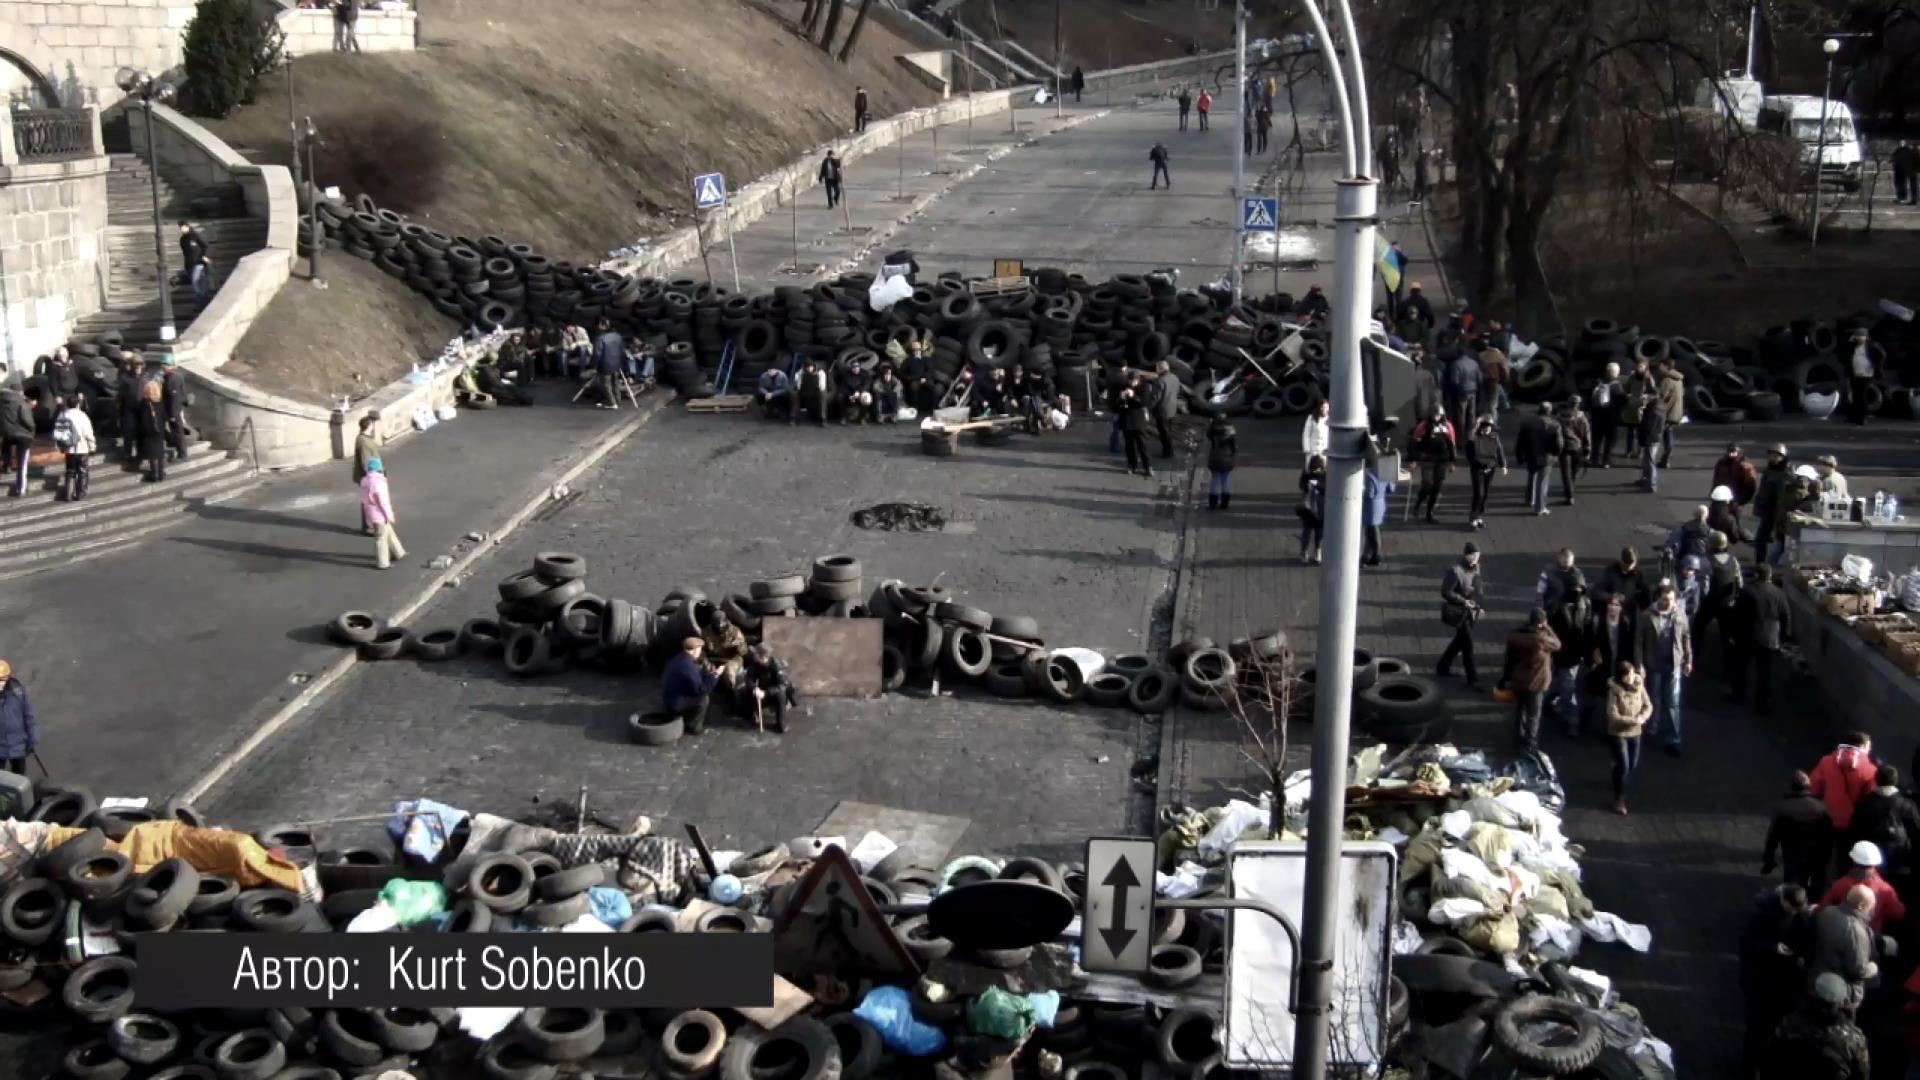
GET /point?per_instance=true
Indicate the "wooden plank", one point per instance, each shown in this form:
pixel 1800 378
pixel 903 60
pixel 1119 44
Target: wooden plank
pixel 828 657
pixel 720 403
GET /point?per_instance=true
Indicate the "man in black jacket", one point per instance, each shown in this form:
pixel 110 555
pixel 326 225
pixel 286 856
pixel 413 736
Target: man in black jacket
pixel 830 177
pixel 1460 597
pixel 1776 483
pixel 810 394
pixel 1570 620
pixel 1760 624
pixel 609 353
pixel 1772 945
pixel 173 391
pixel 763 686
pixel 860 108
pixel 1158 156
pixel 193 255
pixel 1485 456
pixel 1888 817
pixel 1537 449
pixel 1800 837
pixel 126 397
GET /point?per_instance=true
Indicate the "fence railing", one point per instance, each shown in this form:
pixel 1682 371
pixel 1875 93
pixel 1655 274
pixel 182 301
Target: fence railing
pixel 52 134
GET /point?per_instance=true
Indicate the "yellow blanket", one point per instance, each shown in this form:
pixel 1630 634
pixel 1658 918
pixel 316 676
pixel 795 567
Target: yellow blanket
pixel 230 854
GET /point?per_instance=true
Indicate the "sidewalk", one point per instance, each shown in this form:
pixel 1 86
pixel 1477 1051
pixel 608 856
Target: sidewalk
pixel 146 664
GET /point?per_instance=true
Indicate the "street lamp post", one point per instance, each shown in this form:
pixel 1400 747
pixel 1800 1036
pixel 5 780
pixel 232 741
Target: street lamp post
pixel 1831 46
pixel 146 89
pixel 316 239
pixel 1239 145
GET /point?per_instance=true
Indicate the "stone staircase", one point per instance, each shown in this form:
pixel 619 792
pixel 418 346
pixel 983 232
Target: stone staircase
pixel 132 303
pixel 38 532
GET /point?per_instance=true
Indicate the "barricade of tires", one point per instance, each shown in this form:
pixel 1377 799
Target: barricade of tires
pixel 1800 366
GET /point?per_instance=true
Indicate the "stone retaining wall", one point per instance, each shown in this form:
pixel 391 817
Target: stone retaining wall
pixel 77 45
pixel 310 31
pixel 53 247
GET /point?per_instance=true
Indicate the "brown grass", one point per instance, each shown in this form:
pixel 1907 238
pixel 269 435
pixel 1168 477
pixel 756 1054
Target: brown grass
pixel 569 125
pixel 1127 31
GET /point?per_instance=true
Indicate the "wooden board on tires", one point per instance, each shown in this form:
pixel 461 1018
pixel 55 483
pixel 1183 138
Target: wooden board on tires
pixel 721 403
pixel 828 657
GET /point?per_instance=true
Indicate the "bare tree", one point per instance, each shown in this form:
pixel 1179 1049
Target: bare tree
pixel 833 26
pixel 853 33
pixel 816 12
pixel 1262 701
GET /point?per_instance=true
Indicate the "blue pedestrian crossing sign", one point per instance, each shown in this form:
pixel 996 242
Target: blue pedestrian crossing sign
pixel 709 190
pixel 1260 215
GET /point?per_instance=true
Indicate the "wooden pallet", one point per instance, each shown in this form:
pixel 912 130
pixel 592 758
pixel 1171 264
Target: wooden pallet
pixel 721 403
pixel 1000 286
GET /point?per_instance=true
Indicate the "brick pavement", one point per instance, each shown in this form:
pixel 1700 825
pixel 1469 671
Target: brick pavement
pixel 1686 862
pixel 1046 527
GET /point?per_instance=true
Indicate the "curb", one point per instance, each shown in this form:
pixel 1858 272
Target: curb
pixel 344 666
pixel 1180 612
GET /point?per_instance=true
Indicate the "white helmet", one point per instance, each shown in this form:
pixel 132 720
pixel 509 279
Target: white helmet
pixel 1806 472
pixel 1723 493
pixel 1865 853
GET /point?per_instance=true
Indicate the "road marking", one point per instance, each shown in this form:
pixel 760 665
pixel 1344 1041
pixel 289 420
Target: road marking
pixel 340 668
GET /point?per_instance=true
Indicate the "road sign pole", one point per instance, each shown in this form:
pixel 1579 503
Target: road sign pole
pixel 900 162
pixel 1239 139
pixel 726 212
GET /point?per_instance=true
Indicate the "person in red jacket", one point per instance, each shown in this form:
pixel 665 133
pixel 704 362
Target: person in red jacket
pixel 1841 780
pixel 1887 908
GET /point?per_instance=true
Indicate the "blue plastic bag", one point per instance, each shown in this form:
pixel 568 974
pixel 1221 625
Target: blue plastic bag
pixel 890 1010
pixel 1045 1005
pixel 609 905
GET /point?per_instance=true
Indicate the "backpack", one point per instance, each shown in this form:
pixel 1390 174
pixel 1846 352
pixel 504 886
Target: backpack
pixel 64 436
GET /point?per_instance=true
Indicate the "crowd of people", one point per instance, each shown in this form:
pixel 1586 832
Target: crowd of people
pixel 601 363
pixel 1830 991
pixel 752 679
pixel 902 384
pixel 145 408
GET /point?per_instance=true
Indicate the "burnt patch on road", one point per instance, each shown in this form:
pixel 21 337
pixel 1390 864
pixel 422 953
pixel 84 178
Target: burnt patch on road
pixel 901 517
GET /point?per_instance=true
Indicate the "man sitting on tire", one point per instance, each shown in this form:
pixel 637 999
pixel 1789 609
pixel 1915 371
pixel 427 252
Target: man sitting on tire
pixel 726 647
pixel 810 396
pixel 686 687
pixel 762 686
pixel 856 394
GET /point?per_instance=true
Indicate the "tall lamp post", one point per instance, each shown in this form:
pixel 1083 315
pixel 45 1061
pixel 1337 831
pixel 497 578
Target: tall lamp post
pixel 1831 46
pixel 1349 446
pixel 144 88
pixel 316 238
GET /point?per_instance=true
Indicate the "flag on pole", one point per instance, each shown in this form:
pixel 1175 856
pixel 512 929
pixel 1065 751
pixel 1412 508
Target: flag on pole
pixel 1390 261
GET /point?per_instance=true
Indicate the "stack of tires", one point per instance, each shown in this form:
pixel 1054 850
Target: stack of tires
pixel 835 588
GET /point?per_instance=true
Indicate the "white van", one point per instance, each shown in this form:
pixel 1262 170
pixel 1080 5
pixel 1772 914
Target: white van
pixel 1797 116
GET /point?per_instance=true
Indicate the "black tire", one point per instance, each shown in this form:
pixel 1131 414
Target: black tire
pixel 692 1042
pixel 528 652
pixel 581 623
pixel 1446 945
pixel 270 911
pixel 1401 701
pixel 1399 1005
pixel 30 911
pixel 1108 690
pixel 928 640
pixel 390 643
pixel 893 668
pixel 1764 405
pixel 406 1031
pixel 1061 680
pixel 214 897
pixel 967 653
pixel 143 1038
pixel 100 990
pixel 651 921
pixel 571 882
pixel 1209 671
pixel 558 596
pixel 1724 416
pixel 1365 671
pixel 350 1037
pixel 1018 627
pixel 1153 692
pixel 556 914
pixel 500 882
pixel 562 1035
pixel 557 566
pixel 860 1045
pixel 95 1059
pixel 1004 959
pixel 254 1054
pixel 435 645
pixel 1188 1041
pixel 1007 680
pixel 1038 871
pixel 917 935
pixel 1173 965
pixel 836 568
pixel 654 729
pixel 1577 1040
pixel 482 637
pixel 55 864
pixel 524 585
pixel 790 585
pixel 161 896
pixel 962 615
pixel 512 1059
pixel 1132 665
pixel 353 627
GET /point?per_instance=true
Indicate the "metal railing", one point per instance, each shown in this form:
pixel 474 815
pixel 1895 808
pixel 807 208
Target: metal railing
pixel 52 134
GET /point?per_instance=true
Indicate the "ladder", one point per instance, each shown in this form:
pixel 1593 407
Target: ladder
pixel 724 376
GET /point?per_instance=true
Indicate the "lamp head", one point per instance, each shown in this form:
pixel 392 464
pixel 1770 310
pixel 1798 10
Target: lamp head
pixel 127 79
pixel 1831 46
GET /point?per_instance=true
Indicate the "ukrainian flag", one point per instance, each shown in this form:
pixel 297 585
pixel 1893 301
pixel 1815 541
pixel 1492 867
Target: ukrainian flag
pixel 1390 261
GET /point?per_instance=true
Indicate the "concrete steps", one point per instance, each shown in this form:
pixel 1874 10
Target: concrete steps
pixel 38 532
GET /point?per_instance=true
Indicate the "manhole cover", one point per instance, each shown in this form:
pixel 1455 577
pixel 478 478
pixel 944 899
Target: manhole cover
pixel 901 517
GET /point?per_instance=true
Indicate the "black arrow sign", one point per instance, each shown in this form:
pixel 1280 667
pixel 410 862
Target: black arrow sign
pixel 1119 879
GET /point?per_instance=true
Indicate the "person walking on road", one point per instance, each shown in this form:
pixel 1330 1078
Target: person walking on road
pixel 1262 127
pixel 1246 131
pixel 18 736
pixel 1840 780
pixel 1313 507
pixel 1185 101
pixel 1166 405
pixel 1204 106
pixel 173 394
pixel 1222 448
pixel 609 355
pixel 1079 83
pixel 1800 836
pixel 1434 454
pixel 1527 674
pixel 1158 155
pixel 1133 427
pixel 1569 620
pixel 1314 435
pixel 830 178
pixel 1906 174
pixel 1576 435
pixel 1628 710
pixel 376 503
pixel 1536 448
pixel 860 109
pixel 366 447
pixel 193 257
pixel 1635 392
pixel 1604 403
pixel 1771 948
pixel 1672 402
pixel 151 422
pixel 1771 492
pixel 1665 648
pixel 1653 431
pixel 1460 599
pixel 1760 623
pixel 1373 516
pixel 1485 456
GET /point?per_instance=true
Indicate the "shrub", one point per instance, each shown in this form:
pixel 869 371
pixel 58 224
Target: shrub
pixel 229 48
pixel 395 156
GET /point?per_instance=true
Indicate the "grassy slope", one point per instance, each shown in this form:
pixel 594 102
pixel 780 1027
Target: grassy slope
pixel 1092 31
pixel 569 126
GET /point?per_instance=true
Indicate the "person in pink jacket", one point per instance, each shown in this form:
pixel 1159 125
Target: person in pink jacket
pixel 376 502
pixel 1841 780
